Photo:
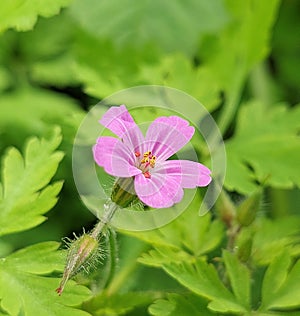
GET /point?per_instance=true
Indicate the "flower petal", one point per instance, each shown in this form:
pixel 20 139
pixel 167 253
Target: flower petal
pixel 166 135
pixel 159 191
pixel 120 122
pixel 189 174
pixel 116 158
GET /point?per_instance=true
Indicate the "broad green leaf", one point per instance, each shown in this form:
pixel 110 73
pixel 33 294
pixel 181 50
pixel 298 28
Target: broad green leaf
pixel 115 70
pixel 266 140
pixel 104 304
pixel 274 278
pixel 239 277
pixel 24 289
pixel 25 188
pixel 179 305
pixel 177 71
pixel 4 78
pixel 30 111
pixel 232 53
pixel 190 233
pixel 44 53
pixel 284 51
pixel 281 287
pixel 170 25
pixel 47 53
pixel 271 237
pixel 202 279
pixel 161 255
pixel 22 14
pixel 138 56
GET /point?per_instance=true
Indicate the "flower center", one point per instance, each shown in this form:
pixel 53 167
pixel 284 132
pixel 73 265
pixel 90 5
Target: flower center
pixel 145 162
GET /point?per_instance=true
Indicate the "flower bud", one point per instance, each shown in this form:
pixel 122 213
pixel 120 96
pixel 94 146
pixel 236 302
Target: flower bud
pixel 82 253
pixel 226 209
pixel 244 249
pixel 246 211
pixel 123 193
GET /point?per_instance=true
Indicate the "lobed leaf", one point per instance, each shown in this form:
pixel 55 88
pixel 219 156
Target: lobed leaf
pixel 239 277
pixel 271 237
pixel 281 285
pixel 24 289
pixel 22 14
pixel 188 236
pixel 118 304
pixel 145 21
pixel 202 279
pixel 24 184
pixel 266 140
pixel 232 53
pixel 31 111
pixel 178 305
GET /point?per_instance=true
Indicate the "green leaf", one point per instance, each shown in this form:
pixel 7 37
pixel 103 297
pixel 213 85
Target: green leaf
pixel 25 184
pixel 232 53
pixel 177 71
pixel 281 286
pixel 138 56
pixel 188 236
pixel 284 51
pixel 118 304
pixel 178 305
pixel 24 289
pixel 47 53
pixel 166 24
pixel 271 237
pixel 27 112
pixel 239 277
pixel 266 140
pixel 22 14
pixel 161 255
pixel 202 279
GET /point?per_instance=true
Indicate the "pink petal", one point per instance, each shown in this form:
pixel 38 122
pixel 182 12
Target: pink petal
pixel 133 139
pixel 116 159
pixel 166 135
pixel 120 122
pixel 189 174
pixel 160 191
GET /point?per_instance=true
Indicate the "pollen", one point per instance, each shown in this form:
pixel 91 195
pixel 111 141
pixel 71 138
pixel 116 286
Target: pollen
pixel 148 161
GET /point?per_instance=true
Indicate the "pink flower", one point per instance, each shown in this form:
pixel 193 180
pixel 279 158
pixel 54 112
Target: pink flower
pixel 158 182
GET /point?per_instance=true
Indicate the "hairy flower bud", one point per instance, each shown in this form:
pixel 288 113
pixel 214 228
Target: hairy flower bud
pixel 83 252
pixel 226 209
pixel 244 249
pixel 246 211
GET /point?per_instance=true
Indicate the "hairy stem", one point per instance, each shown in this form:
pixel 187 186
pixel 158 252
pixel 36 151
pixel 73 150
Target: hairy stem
pixel 109 211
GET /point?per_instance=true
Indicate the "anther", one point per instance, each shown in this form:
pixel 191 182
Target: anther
pixel 147 175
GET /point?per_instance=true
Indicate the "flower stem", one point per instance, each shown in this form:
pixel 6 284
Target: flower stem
pixel 109 211
pixel 113 258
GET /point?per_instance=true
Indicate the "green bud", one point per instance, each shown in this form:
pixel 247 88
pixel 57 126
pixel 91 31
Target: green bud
pixel 244 249
pixel 82 254
pixel 246 211
pixel 123 193
pixel 226 209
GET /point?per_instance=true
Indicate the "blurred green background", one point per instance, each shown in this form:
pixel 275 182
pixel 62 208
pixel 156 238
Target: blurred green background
pixel 55 63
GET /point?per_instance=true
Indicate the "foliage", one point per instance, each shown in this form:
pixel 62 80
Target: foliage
pixel 239 59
